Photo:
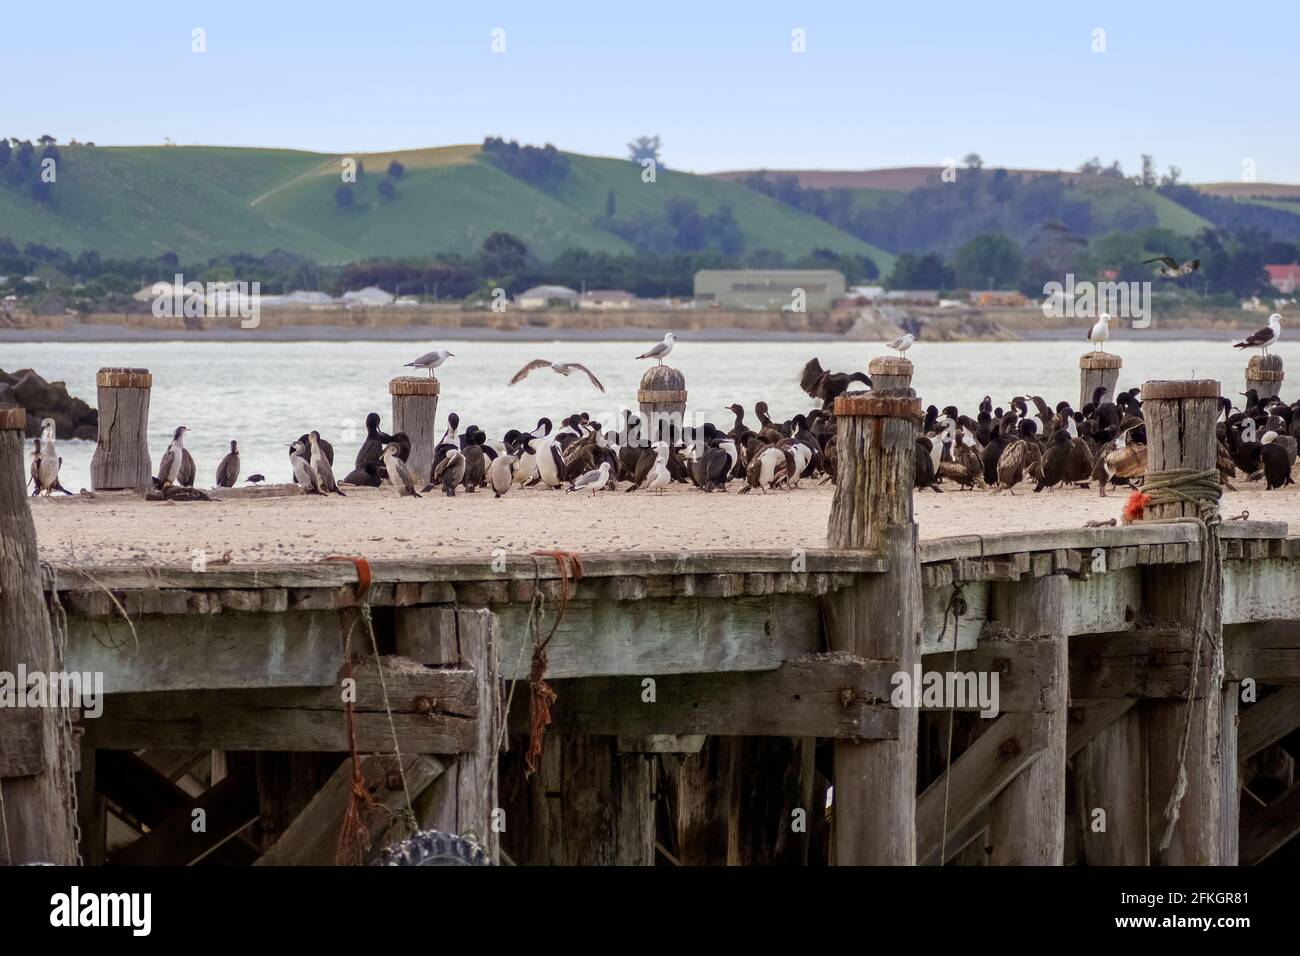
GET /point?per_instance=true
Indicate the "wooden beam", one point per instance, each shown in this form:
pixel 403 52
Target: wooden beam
pixel 978 775
pixel 698 802
pixel 1088 718
pixel 1267 652
pixel 1023 669
pixel 1110 776
pixel 312 838
pixel 1149 663
pixel 227 808
pixel 770 779
pixel 231 650
pixel 1268 721
pixel 433 711
pixel 1027 819
pixel 1265 830
pixel 818 696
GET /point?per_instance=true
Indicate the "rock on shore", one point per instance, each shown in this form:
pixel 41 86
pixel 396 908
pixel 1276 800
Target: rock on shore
pixel 72 417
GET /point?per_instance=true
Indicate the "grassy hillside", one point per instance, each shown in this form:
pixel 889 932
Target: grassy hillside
pixel 206 201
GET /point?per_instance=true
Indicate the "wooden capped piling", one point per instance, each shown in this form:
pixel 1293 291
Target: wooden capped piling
pixel 890 371
pixel 121 458
pixel 1098 370
pixel 878 619
pixel 662 398
pixel 415 412
pixel 1180 417
pixel 35 746
pixel 1264 373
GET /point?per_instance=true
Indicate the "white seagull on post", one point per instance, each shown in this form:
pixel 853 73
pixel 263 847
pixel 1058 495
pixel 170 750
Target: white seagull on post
pixel 661 350
pixel 1099 334
pixel 902 343
pixel 431 360
pixel 1264 337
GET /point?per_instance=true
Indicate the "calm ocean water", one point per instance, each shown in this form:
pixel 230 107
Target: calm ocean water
pixel 266 394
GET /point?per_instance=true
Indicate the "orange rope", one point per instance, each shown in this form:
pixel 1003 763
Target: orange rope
pixel 543 696
pixel 354 837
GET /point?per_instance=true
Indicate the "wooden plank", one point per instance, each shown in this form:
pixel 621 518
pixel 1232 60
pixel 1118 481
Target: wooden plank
pixel 672 636
pixel 832 695
pixel 1088 718
pixel 1267 652
pixel 1266 590
pixel 1101 603
pixel 697 793
pixel 434 711
pixel 468 568
pixel 978 775
pixel 312 838
pixel 219 651
pixel 1265 830
pixel 1268 721
pixel 1022 668
pixel 227 808
pixel 936 634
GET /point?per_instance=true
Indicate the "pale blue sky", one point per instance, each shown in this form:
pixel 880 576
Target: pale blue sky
pixel 1203 85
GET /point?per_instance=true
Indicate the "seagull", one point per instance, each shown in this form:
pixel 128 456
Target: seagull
pixel 661 350
pixel 562 368
pixel 1170 269
pixel 596 479
pixel 431 360
pixel 1264 337
pixel 902 343
pixel 1100 332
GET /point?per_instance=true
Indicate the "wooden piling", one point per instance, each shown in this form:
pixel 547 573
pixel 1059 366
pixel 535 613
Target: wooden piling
pixel 121 458
pixel 1098 369
pixel 1110 776
pixel 415 412
pixel 1264 373
pixel 1027 819
pixel 877 618
pixel 889 371
pixel 1180 417
pixel 662 398
pixel 35 757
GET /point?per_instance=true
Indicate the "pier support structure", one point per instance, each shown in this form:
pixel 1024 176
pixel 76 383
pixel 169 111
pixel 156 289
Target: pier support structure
pixel 889 371
pixel 122 451
pixel 1264 373
pixel 878 619
pixel 1098 370
pixel 415 412
pixel 1180 418
pixel 662 398
pixel 35 747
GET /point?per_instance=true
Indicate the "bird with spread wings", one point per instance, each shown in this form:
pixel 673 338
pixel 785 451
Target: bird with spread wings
pixel 563 368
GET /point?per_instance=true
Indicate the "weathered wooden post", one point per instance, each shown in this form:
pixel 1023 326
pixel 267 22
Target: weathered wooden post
pixel 122 451
pixel 878 618
pixel 1184 736
pixel 1264 373
pixel 662 397
pixel 889 371
pixel 35 776
pixel 415 412
pixel 1027 819
pixel 1097 370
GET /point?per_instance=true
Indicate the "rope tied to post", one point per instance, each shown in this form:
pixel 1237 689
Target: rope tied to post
pixel 1201 488
pixel 958 608
pixel 543 695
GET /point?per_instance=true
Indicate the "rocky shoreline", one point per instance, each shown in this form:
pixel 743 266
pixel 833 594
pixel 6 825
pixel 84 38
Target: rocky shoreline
pixel 72 417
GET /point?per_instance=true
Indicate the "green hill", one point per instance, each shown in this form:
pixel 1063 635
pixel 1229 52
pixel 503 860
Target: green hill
pixel 201 202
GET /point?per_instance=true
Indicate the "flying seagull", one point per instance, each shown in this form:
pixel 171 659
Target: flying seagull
pixel 1264 337
pixel 1170 269
pixel 661 350
pixel 431 360
pixel 1099 334
pixel 562 368
pixel 902 343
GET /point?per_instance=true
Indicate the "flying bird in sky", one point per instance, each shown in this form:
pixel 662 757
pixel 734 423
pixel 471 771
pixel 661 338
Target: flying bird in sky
pixel 563 368
pixel 1170 268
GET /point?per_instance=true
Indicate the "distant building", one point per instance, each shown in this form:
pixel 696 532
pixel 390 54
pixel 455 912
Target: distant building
pixel 541 296
pixel 998 297
pixel 371 297
pixel 769 288
pixel 913 296
pixel 1284 278
pixel 606 299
